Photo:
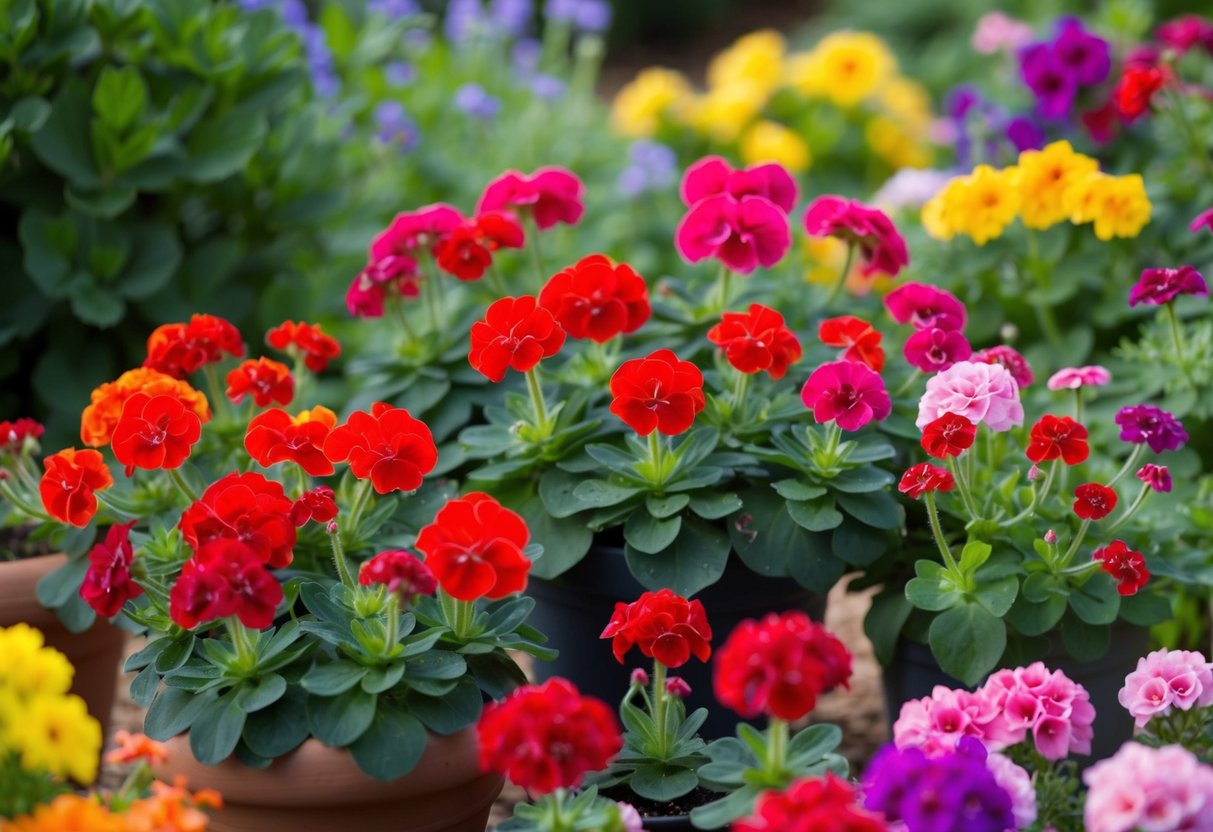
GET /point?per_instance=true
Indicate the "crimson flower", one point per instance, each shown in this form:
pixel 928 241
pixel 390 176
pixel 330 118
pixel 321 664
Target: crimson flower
pixel 467 252
pixel 1137 88
pixel 1159 286
pixel 267 380
pixel 934 350
pixel 475 548
pixel 1058 437
pixel 413 231
pixel 317 347
pixel 181 349
pixel 860 338
pixel 949 435
pixel 881 246
pixel 246 508
pixel 712 175
pixel 847 393
pixel 659 392
pixel 317 504
pixel 597 299
pixel 107 583
pixel 400 571
pixel 547 737
pixel 741 233
pixel 1093 501
pixel 924 478
pixel 550 195
pixel 664 625
pixel 13 434
pixel 515 333
pixel 811 805
pixel 274 436
pixel 756 340
pixel 155 432
pixel 224 577
pixel 1126 565
pixel 387 446
pixel 69 484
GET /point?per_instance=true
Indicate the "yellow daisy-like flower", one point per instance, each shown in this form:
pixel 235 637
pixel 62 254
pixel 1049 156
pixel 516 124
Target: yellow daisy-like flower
pixel 770 141
pixel 58 736
pixel 890 141
pixel 1045 177
pixel 936 216
pixel 755 59
pixel 639 106
pixel 1117 205
pixel 908 102
pixel 28 668
pixel 68 813
pixel 980 205
pixel 725 111
pixel 845 67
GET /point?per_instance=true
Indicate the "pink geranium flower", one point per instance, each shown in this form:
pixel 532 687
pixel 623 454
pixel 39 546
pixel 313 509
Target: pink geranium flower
pixel 413 231
pixel 924 306
pixel 1073 378
pixel 1159 286
pixel 1167 679
pixel 712 175
pixel 933 350
pixel 1203 220
pixel 979 392
pixel 880 244
pixel 937 722
pixel 1016 364
pixel 1050 707
pixel 847 393
pixel 550 195
pixel 741 233
pixel 1148 788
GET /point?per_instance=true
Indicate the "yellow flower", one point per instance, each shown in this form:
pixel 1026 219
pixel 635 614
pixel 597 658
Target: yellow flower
pixel 770 141
pixel 845 67
pixel 28 668
pixel 68 813
pixel 755 59
pixel 725 111
pixel 639 106
pixel 907 101
pixel 58 736
pixel 1117 205
pixel 1045 177
pixel 980 205
pixel 891 142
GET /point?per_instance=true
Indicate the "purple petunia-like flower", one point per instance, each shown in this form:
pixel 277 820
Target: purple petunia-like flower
pixel 1157 477
pixel 1086 56
pixel 476 101
pixel 1153 426
pixel 652 166
pixel 1048 79
pixel 1159 286
pixel 394 126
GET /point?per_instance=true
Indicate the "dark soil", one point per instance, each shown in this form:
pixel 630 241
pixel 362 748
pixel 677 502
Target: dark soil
pixel 652 809
pixel 15 544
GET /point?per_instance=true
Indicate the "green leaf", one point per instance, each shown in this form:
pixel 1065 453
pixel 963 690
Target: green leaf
pixel 1034 618
pixel 260 692
pixel 155 258
pixel 997 596
pixel 173 711
pixel 884 622
pixel 144 686
pixel 797 490
pixel 974 554
pixel 332 678
pixel 215 732
pixel 339 720
pixel 932 590
pixel 967 641
pixel 57 588
pixel 1085 642
pixel 97 306
pixel 715 506
pixel 875 508
pixel 601 494
pixel 815 566
pixel 1096 601
pixel 449 713
pixel 1145 609
pixel 393 745
pixel 380 679
pixel 662 507
pixel 174 653
pixel 721 813
pixel 1044 586
pixel 565 541
pixel 280 728
pixel 64 142
pixel 30 113
pixel 437 664
pixel 816 515
pixel 815 742
pixel 120 97
pixel 857 544
pixel 220 147
pixel 48 245
pixel 662 783
pixel 695 560
pixel 556 488
pixel 861 480
pixel 649 534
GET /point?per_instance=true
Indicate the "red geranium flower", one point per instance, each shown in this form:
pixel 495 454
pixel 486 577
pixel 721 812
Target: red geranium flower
pixel 317 504
pixel 811 805
pixel 1093 501
pixel 400 571
pixel 547 737
pixel 317 347
pixel 387 446
pixel 860 338
pixel 779 666
pixel 658 392
pixel 266 379
pixel 515 333
pixel 369 291
pixel 180 349
pixel 665 626
pixel 475 548
pixel 13 434
pixel 551 195
pixel 273 437
pixel 949 435
pixel 107 583
pixel 224 577
pixel 247 508
pixel 1136 88
pixel 925 477
pixel 69 485
pixel 1126 565
pixel 756 340
pixel 155 432
pixel 597 299
pixel 467 252
pixel 1056 437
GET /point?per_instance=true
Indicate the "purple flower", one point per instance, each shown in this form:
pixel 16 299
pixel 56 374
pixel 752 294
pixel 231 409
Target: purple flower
pixel 399 73
pixel 526 54
pixel 1159 286
pixel 294 14
pixel 394 125
pixel 1145 423
pixel 511 17
pixel 1050 81
pixel 1024 134
pixel 582 15
pixel 394 9
pixel 960 100
pixel 474 100
pixel 548 87
pixel 1085 56
pixel 652 166
pixel 464 19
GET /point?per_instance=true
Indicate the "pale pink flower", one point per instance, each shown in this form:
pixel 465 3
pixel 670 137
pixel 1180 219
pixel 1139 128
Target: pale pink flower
pixel 979 392
pixel 1167 679
pixel 1072 378
pixel 997 32
pixel 1158 789
pixel 629 818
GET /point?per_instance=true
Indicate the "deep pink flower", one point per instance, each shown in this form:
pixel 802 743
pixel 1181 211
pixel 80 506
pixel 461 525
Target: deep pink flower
pixel 1047 705
pixel 935 723
pixel 1073 378
pixel 1203 220
pixel 1158 477
pixel 932 350
pixel 412 231
pixel 1009 357
pixel 1159 286
pixel 395 274
pixel 882 247
pixel 924 306
pixel 979 392
pixel 550 195
pixel 742 233
pixel 1186 31
pixel 847 393
pixel 712 175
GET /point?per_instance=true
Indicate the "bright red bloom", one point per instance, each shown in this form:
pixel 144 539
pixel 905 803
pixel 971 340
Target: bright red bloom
pixel 107 583
pixel 224 577
pixel 399 571
pixel 70 482
pixel 949 435
pixel 551 195
pixel 923 478
pixel 515 333
pixel 246 508
pixel 412 231
pixel 1093 501
pixel 779 666
pixel 273 437
pixel 665 626
pixel 155 432
pixel 387 446
pixel 547 737
pixel 860 338
pixel 475 548
pixel 712 175
pixel 317 347
pixel 268 381
pixel 658 392
pixel 1136 89
pixel 1058 437
pixel 881 246
pixel 318 504
pixel 467 252
pixel 756 340
pixel 811 805
pixel 180 349
pixel 847 393
pixel 741 233
pixel 596 298
pixel 13 434
pixel 1126 565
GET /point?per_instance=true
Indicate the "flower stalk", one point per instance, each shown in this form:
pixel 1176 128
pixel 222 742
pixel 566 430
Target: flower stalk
pixel 940 541
pixel 842 276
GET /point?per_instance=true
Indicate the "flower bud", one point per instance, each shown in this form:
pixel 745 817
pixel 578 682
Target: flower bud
pixel 1157 477
pixel 331 528
pixel 640 678
pixel 1009 332
pixel 1034 473
pixel 1050 537
pixel 677 686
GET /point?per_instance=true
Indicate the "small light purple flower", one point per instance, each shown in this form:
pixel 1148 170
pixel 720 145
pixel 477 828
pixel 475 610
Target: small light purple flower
pixel 1153 426
pixel 1158 477
pixel 512 17
pixel 464 19
pixel 652 166
pixel 394 125
pixel 548 87
pixel 474 100
pixel 394 9
pixel 910 188
pixel 583 15
pixel 1160 286
pixel 526 54
pixel 399 73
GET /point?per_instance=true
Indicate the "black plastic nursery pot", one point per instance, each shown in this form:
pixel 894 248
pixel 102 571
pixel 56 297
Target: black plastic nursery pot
pixel 573 609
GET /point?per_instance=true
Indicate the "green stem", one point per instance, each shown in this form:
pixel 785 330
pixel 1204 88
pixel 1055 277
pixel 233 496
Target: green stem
pixel 1078 405
pixel 777 751
pixel 339 561
pixel 660 697
pixel 245 651
pixel 1129 465
pixel 219 402
pixel 1042 276
pixel 1131 510
pixel 740 387
pixel 962 482
pixel 496 281
pixel 1069 555
pixel 833 438
pixel 537 403
pixel 656 456
pixel 937 533
pixel 1177 339
pixel 400 313
pixel 726 287
pixel 907 385
pixel 361 495
pixel 26 507
pixel 392 611
pixel 842 276
pixel 1038 495
pixel 459 615
pixel 1199 148
pixel 182 486
pixel 536 253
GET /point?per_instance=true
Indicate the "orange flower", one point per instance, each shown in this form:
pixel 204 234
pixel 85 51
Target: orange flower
pixel 99 419
pixel 266 379
pixel 132 747
pixel 172 807
pixel 68 813
pixel 317 347
pixel 68 487
pixel 181 349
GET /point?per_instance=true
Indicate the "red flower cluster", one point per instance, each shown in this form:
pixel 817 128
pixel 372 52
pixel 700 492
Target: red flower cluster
pixel 547 737
pixel 317 347
pixel 756 340
pixel 1137 88
pixel 665 626
pixel 1126 565
pixel 923 478
pixel 246 508
pixel 224 577
pixel 811 805
pixel 400 571
pixel 387 446
pixel 475 548
pixel 949 435
pixel 180 349
pixel 658 392
pixel 883 249
pixel 467 251
pixel 155 432
pixel 267 380
pixel 859 338
pixel 1093 501
pixel 597 299
pixel 107 583
pixel 69 484
pixel 779 666
pixel 318 504
pixel 515 333
pixel 550 195
pixel 273 437
pixel 13 434
pixel 1058 437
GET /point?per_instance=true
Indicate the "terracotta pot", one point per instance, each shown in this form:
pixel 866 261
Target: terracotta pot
pixel 96 653
pixel 320 788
